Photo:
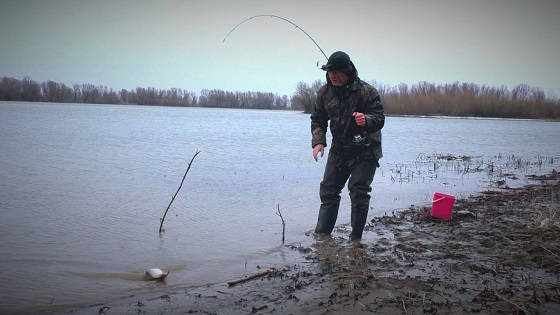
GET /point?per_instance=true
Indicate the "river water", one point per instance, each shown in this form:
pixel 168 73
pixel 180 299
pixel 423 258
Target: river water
pixel 83 187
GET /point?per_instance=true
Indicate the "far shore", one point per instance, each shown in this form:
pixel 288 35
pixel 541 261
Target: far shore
pixel 302 112
pixel 458 99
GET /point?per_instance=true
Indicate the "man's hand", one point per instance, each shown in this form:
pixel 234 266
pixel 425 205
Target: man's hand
pixel 360 119
pixel 316 149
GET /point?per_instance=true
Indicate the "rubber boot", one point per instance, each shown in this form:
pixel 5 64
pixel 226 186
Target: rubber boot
pixel 359 187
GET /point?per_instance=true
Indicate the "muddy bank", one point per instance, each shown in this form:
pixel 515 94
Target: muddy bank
pixel 499 254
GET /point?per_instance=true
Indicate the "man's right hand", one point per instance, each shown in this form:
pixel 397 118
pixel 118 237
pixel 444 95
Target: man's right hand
pixel 316 149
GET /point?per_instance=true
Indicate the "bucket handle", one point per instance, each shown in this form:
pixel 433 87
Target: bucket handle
pixel 440 199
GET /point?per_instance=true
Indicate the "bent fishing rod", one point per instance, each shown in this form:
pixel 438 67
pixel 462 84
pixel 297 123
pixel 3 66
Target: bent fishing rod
pixel 278 17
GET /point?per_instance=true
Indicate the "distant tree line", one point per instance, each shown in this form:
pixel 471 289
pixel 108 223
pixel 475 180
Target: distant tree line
pixel 422 98
pixel 469 99
pixel 31 91
pixel 223 99
pixel 452 99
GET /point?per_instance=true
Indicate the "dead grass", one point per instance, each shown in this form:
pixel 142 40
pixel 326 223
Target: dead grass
pixel 545 220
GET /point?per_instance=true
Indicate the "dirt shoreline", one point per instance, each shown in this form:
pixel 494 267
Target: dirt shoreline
pixel 499 254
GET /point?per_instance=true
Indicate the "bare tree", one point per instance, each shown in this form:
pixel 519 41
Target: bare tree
pixel 305 96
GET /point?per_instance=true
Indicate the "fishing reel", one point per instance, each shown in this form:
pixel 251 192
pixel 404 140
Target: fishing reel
pixel 359 138
pixel 358 141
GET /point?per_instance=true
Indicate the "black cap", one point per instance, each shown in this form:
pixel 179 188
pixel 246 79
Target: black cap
pixel 339 61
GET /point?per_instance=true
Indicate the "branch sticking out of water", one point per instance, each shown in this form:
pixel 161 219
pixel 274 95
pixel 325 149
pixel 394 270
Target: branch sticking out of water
pixel 175 195
pixel 278 213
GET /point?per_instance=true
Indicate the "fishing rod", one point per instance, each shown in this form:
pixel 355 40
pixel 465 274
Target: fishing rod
pixel 278 17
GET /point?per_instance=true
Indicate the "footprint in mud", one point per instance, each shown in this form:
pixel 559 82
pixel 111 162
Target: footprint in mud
pixel 487 242
pixel 384 241
pixel 376 248
pixel 413 248
pixel 479 268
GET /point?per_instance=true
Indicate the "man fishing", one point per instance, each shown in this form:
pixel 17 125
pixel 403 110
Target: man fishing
pixel 356 117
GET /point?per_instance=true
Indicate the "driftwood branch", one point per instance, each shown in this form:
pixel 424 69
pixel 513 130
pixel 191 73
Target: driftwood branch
pixel 250 277
pixel 175 195
pixel 278 213
pixel 522 309
pixel 404 306
pixel 550 252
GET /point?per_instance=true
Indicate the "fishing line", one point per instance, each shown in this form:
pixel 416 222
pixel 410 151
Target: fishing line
pixel 278 17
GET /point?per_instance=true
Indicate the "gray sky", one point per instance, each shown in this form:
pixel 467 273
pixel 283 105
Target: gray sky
pixel 164 44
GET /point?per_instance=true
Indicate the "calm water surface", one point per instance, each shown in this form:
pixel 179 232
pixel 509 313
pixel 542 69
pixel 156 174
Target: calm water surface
pixel 82 188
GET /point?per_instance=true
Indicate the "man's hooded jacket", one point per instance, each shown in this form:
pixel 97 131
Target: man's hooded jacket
pixel 337 104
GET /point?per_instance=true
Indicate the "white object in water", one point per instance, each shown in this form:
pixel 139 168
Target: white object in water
pixel 156 273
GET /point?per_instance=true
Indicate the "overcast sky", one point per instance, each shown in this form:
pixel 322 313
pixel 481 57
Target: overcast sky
pixel 164 44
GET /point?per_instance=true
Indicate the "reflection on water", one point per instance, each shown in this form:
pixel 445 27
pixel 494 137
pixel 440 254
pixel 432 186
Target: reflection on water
pixel 140 275
pixel 82 188
pixel 124 276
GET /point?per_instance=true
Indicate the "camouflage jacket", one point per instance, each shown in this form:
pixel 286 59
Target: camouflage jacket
pixel 337 106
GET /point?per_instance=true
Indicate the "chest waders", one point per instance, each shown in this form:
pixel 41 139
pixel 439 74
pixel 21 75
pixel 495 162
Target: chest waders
pixel 355 164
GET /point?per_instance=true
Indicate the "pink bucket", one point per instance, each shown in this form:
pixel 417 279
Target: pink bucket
pixel 442 205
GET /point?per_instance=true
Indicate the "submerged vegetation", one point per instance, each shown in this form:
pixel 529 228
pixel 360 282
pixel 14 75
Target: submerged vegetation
pixel 500 171
pixel 422 98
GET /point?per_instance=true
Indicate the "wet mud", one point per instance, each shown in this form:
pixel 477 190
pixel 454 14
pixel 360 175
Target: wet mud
pixel 499 254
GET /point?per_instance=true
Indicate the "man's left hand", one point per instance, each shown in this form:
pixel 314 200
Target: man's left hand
pixel 360 119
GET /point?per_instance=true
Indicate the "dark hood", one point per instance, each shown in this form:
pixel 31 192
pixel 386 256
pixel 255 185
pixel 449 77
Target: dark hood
pixel 352 76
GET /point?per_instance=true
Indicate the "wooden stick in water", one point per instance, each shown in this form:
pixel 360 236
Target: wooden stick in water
pixel 278 213
pixel 250 277
pixel 175 195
